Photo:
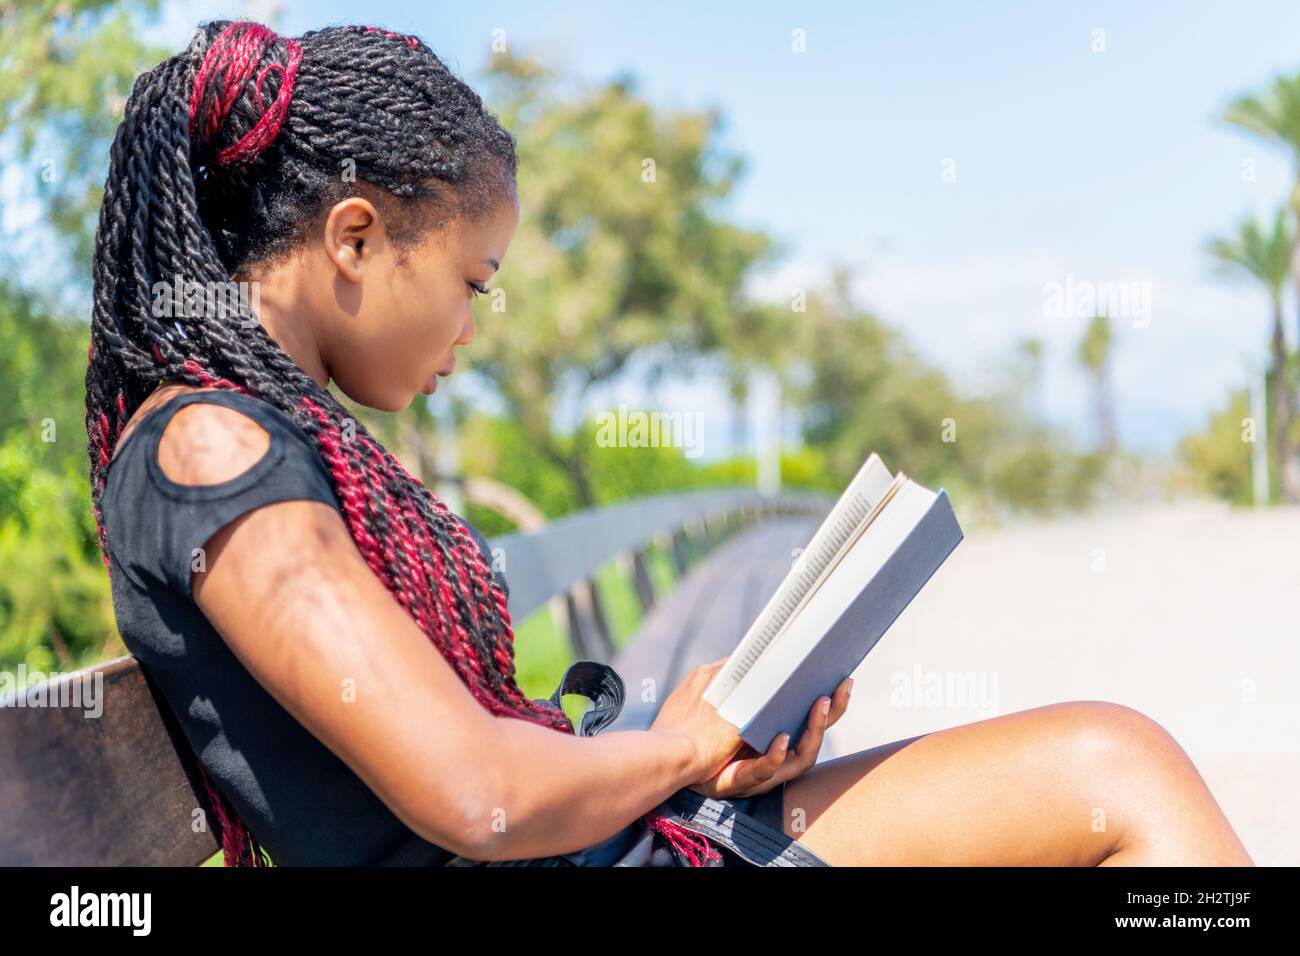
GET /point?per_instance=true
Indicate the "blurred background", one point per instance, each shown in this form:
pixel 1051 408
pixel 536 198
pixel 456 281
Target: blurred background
pixel 1043 257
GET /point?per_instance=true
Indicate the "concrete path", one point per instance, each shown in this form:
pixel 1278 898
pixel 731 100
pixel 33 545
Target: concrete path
pixel 1188 612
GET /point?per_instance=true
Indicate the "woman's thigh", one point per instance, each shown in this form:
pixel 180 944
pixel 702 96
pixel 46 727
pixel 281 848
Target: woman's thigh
pixel 1065 784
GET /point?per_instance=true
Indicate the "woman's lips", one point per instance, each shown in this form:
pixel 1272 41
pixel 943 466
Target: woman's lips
pixel 431 385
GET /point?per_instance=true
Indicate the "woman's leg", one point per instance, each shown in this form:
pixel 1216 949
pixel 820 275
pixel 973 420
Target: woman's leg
pixel 1074 783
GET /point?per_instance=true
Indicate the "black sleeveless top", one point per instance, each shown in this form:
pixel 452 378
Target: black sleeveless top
pixel 302 803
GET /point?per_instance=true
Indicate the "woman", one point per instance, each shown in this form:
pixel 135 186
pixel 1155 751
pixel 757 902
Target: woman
pixel 333 640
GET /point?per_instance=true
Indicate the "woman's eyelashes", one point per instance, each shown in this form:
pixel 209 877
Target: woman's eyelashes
pixel 478 289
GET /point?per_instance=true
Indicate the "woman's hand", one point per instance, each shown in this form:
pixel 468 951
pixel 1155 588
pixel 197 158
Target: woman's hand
pixel 685 713
pixel 749 773
pixel 725 765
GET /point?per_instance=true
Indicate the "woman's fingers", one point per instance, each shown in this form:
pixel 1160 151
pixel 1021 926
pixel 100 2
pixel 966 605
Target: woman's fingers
pixel 780 763
pixel 704 673
pixel 747 775
pixel 786 764
pixel 840 700
pixel 761 769
pixel 810 742
pixel 753 772
pixel 711 670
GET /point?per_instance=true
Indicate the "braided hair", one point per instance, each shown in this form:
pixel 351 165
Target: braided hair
pixel 228 154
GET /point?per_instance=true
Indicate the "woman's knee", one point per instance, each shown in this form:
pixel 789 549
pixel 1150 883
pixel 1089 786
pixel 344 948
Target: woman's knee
pixel 1104 734
pixel 1152 793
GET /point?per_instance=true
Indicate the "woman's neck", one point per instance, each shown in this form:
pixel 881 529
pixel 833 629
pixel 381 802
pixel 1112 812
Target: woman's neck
pixel 283 301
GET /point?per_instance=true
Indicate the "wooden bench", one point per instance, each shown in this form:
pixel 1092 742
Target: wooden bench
pixel 707 614
pixel 121 788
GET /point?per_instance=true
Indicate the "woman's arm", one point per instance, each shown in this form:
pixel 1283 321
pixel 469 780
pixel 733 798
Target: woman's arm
pixel 287 589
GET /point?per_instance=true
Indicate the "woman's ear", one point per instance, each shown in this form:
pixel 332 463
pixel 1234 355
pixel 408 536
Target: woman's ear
pixel 353 230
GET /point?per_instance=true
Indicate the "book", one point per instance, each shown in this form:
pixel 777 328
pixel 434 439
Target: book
pixel 879 545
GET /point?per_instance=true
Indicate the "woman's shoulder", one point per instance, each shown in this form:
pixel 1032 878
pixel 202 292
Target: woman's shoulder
pixel 198 460
pixel 207 440
pixel 205 432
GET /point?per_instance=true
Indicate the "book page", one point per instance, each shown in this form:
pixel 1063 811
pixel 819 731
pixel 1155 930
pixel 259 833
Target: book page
pixel 899 481
pixel 845 521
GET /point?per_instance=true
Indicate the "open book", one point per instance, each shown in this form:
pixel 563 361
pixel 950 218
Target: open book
pixel 876 549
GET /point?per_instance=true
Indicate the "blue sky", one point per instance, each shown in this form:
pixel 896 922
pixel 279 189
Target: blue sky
pixel 1105 166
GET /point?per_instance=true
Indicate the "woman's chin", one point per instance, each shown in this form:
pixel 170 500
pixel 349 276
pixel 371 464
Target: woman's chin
pixel 381 399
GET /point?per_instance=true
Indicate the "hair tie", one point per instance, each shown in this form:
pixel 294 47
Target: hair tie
pixel 237 50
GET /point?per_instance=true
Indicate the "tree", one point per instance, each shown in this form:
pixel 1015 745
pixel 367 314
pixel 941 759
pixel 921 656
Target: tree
pixel 1094 354
pixel 864 391
pixel 620 252
pixel 760 336
pixel 66 67
pixel 1263 254
pixel 55 607
pixel 1274 116
pixel 1218 457
pixel 65 70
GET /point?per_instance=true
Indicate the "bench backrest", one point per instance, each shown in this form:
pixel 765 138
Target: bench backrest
pixel 549 562
pixel 106 783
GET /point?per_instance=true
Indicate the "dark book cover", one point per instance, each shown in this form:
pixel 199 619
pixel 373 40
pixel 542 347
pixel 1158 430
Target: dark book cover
pixel 859 627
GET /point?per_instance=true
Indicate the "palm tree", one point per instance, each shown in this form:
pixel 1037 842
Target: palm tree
pixel 1031 352
pixel 1095 352
pixel 737 378
pixel 1274 115
pixel 1264 254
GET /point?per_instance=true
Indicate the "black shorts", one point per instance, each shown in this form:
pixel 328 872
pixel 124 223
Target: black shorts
pixel 747 831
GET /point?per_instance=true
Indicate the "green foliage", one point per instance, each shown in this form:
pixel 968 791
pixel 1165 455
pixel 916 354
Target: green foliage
pixel 620 250
pixel 1094 348
pixel 1218 456
pixel 1041 476
pixel 622 473
pixel 66 68
pixel 863 390
pixel 1273 114
pixel 55 607
pixel 1079 477
pixel 1262 253
pixel 1268 255
pixel 500 448
pixel 42 363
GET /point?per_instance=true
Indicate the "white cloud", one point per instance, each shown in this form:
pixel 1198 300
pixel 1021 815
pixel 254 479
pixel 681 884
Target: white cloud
pixel 966 316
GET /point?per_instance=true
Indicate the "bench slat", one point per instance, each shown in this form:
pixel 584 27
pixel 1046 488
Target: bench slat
pixel 107 790
pixel 707 614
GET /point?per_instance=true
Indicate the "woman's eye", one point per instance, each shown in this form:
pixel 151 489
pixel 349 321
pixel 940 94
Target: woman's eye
pixel 478 289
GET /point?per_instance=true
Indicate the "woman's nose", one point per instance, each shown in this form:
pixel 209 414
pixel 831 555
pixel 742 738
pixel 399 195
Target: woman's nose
pixel 468 331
